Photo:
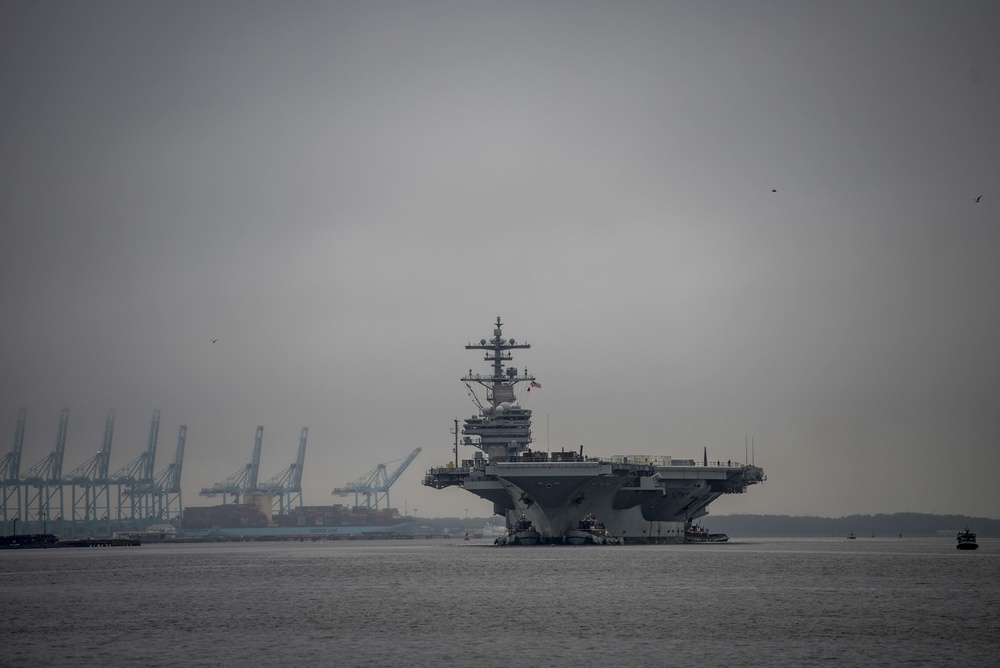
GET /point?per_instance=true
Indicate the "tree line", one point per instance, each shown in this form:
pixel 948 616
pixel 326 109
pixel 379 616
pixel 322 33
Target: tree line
pixel 881 525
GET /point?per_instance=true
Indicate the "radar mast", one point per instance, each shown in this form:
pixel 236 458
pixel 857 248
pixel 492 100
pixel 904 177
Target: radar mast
pixel 502 429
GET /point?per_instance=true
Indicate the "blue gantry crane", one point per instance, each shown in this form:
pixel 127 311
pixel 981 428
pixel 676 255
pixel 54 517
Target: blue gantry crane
pixel 165 494
pixel 42 484
pixel 34 499
pixel 286 487
pixel 90 488
pixel 375 484
pixel 243 483
pixel 10 474
pixel 134 480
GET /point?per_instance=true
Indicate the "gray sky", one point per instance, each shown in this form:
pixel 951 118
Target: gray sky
pixel 345 194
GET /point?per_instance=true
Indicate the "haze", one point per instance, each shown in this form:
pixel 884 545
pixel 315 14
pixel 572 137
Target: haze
pixel 713 221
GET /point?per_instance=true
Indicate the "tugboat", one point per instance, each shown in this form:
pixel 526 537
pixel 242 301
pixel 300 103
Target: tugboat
pixel 590 532
pixel 696 533
pixel 967 540
pixel 522 533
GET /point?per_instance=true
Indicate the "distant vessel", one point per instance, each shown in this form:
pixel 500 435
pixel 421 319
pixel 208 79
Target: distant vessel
pixel 852 536
pixel 699 534
pixel 967 540
pixel 28 541
pixel 639 498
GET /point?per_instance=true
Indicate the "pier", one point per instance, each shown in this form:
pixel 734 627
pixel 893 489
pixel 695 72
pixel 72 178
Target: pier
pixel 99 542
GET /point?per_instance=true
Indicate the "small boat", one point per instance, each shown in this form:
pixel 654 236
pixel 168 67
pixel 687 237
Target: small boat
pixel 852 536
pixel 590 532
pixel 522 533
pixel 696 533
pixel 967 540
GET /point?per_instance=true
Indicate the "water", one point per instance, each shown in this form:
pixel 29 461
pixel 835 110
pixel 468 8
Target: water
pixel 790 602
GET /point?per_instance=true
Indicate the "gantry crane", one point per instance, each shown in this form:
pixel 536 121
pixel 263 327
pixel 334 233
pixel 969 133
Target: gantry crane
pixel 10 473
pixel 43 481
pixel 376 483
pixel 36 495
pixel 286 487
pixel 90 487
pixel 135 479
pixel 243 483
pixel 165 495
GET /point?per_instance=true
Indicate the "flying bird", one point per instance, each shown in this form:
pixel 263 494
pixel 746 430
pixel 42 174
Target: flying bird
pixel 773 190
pixel 979 198
pixel 214 340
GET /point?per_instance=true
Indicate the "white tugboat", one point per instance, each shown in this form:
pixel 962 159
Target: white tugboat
pixel 639 498
pixel 591 532
pixel 522 533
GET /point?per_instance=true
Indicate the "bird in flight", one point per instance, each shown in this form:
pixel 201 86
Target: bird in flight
pixel 773 190
pixel 214 340
pixel 979 198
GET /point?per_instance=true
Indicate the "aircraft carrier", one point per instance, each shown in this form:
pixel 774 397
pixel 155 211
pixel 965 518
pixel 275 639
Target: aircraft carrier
pixel 638 498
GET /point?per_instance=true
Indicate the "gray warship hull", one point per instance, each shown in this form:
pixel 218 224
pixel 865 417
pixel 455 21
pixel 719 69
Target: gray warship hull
pixel 638 503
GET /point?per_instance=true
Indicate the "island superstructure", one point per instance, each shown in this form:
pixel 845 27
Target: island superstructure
pixel 638 498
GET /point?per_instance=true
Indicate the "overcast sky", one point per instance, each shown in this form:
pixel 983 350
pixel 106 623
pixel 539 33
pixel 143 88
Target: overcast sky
pixel 345 194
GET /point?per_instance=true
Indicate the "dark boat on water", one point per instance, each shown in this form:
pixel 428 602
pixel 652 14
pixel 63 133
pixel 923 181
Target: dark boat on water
pixel 23 541
pixel 967 540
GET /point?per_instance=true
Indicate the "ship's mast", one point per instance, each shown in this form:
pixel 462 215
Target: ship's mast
pixel 503 428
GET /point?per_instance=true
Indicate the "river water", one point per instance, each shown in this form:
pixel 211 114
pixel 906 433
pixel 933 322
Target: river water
pixel 767 602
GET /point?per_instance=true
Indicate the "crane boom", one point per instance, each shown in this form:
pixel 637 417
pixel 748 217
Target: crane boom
pixel 10 472
pixel 300 459
pixel 244 481
pixel 50 468
pixel 254 468
pixel 140 470
pixel 402 467
pixel 169 479
pixel 174 482
pixel 10 465
pixel 96 468
pixel 286 487
pixel 375 484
